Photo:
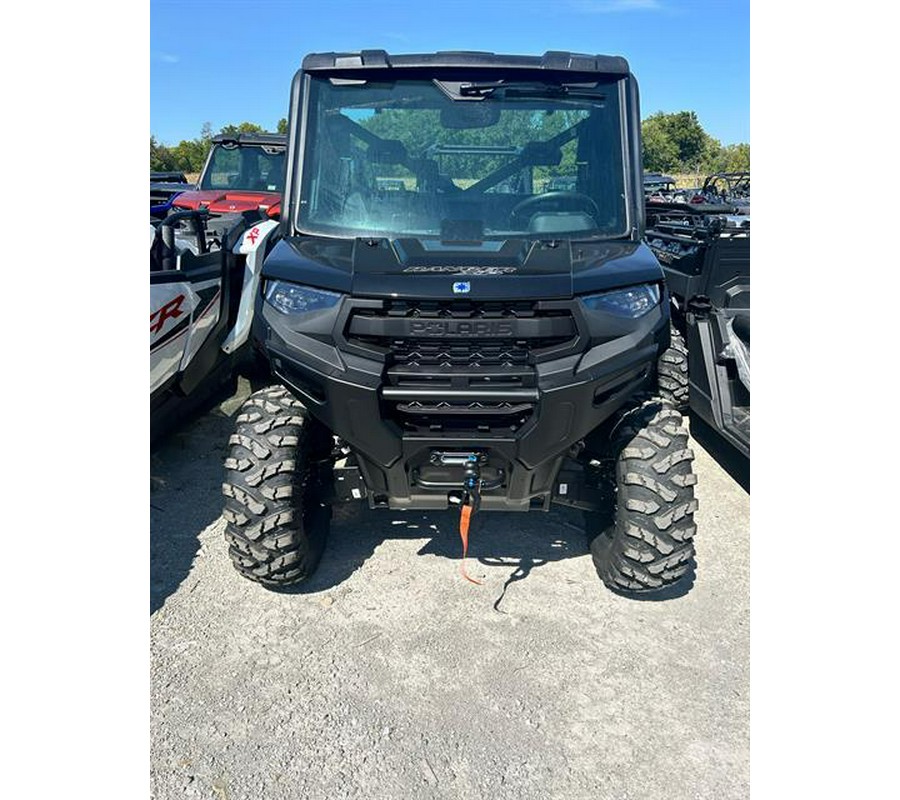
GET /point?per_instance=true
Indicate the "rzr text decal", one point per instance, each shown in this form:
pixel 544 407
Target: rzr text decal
pixel 170 310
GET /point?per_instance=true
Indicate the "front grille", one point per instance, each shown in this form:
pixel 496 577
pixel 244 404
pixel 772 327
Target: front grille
pixel 453 334
pixel 462 367
pixel 476 354
pixel 461 417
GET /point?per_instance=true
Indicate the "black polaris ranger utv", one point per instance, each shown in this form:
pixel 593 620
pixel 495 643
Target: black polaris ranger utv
pixel 471 336
pixel 705 255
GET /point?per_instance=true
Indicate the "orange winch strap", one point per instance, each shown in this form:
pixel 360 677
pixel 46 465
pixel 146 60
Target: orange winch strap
pixel 465 516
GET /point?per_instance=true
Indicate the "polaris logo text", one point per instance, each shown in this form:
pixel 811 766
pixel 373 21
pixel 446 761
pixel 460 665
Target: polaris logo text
pixel 462 287
pixel 452 327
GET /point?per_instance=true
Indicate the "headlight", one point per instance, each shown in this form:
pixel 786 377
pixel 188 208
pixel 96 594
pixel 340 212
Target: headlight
pixel 632 302
pixel 292 298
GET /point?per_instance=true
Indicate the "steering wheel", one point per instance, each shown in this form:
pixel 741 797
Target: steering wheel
pixel 556 201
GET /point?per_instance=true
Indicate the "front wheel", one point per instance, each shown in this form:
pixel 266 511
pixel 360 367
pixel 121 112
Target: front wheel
pixel 276 519
pixel 650 545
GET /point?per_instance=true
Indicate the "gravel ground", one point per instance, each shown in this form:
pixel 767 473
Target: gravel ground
pixel 389 676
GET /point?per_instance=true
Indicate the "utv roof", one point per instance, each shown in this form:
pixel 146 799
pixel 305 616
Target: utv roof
pixel 251 138
pixel 552 60
pixel 167 177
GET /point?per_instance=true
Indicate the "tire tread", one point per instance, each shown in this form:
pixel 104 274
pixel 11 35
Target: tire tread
pixel 672 372
pixel 273 525
pixel 650 544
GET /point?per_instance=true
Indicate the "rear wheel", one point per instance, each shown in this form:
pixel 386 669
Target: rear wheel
pixel 275 485
pixel 672 369
pixel 649 546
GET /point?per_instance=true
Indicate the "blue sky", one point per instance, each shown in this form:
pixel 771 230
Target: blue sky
pixel 227 61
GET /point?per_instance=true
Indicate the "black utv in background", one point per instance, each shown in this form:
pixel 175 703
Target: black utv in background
pixel 705 255
pixel 450 327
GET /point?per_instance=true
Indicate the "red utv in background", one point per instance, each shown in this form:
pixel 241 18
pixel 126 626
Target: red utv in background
pixel 243 172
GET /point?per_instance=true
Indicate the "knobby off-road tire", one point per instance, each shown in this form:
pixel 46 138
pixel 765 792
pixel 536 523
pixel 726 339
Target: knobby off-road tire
pixel 276 520
pixel 672 370
pixel 650 545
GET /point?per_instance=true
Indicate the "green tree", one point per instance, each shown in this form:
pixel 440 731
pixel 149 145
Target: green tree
pixel 681 131
pixel 190 154
pixel 735 158
pixel 689 137
pixel 677 142
pixel 244 127
pixel 282 125
pixel 161 158
pixel 660 153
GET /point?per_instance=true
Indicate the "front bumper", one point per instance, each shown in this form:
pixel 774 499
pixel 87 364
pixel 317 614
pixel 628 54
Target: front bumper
pixel 401 391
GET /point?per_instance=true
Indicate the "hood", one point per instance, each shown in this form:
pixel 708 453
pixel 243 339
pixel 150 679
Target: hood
pixel 492 270
pixel 227 201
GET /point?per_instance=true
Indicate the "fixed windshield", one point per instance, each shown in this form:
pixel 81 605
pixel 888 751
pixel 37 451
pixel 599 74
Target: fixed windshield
pixel 247 167
pixel 463 161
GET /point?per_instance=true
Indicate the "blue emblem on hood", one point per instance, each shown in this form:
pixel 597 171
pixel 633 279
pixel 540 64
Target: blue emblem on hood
pixel 462 287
